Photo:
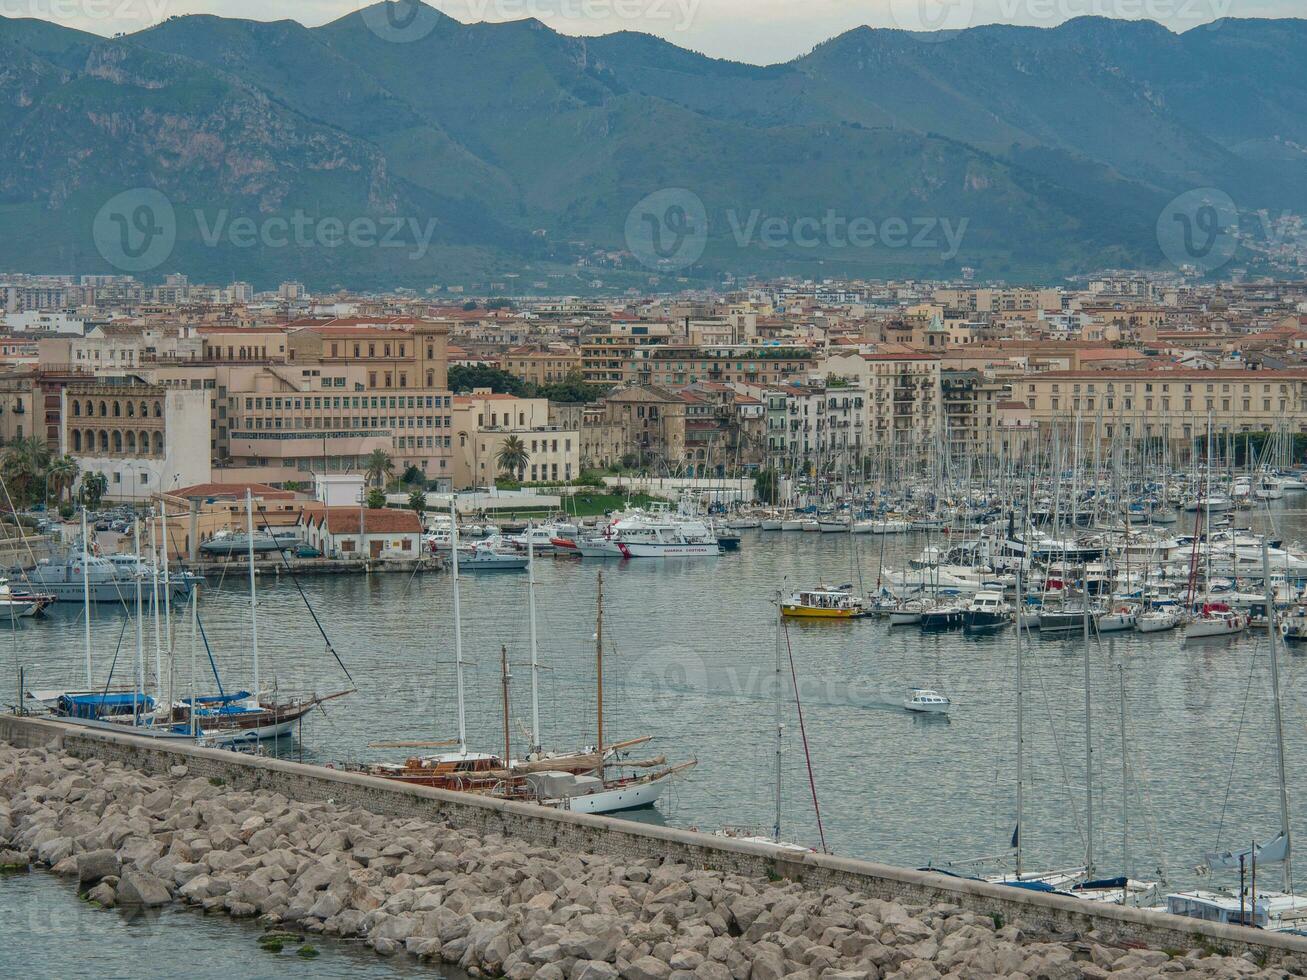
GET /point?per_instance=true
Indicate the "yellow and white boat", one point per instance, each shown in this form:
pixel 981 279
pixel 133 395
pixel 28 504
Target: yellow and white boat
pixel 823 604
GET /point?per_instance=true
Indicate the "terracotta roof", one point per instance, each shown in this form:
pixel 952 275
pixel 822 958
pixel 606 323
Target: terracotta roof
pixel 1165 372
pixel 345 520
pixel 232 491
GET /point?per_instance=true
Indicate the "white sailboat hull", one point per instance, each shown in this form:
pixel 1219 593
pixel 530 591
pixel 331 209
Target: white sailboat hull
pixel 631 797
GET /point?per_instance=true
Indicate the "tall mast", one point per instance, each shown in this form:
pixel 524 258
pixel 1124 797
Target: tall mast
pixel 139 693
pixel 167 600
pixel 154 595
pixel 536 745
pixel 1125 783
pixel 86 597
pixel 1021 718
pixel 503 669
pixel 780 711
pixel 458 625
pixel 1272 633
pixel 1089 745
pixel 599 664
pixel 254 616
pixel 195 629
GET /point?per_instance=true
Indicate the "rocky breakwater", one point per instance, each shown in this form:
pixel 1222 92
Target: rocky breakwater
pixel 495 906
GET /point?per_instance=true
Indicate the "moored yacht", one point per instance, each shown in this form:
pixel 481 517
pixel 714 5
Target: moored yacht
pixel 987 612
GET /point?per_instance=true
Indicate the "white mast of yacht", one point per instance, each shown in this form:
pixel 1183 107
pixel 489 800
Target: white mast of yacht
pixel 1272 633
pixel 780 714
pixel 458 624
pixel 535 745
pixel 254 615
pixel 86 597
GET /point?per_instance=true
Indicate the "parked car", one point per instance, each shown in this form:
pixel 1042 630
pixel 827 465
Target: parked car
pixel 307 551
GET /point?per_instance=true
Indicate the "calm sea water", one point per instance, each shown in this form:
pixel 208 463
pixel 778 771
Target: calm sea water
pixel 690 654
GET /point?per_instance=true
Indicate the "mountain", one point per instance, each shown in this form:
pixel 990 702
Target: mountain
pixel 348 154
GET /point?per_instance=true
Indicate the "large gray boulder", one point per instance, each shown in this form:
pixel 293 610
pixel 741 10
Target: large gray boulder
pixel 94 865
pixel 139 888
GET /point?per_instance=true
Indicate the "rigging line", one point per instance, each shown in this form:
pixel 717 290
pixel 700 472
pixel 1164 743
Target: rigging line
pixel 803 734
pixel 212 664
pixel 109 680
pixel 281 552
pixel 1234 755
pixel 1057 744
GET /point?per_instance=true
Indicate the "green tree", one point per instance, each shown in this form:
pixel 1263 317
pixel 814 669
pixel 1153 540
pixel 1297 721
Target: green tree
pixel 294 486
pixel 571 390
pixel 376 498
pixel 513 457
pixel 464 379
pixel 380 467
pixel 764 485
pixel 417 501
pixel 413 477
pixel 94 486
pixel 61 475
pixel 24 467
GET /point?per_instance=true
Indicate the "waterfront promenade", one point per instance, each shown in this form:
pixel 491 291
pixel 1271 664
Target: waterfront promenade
pixel 511 889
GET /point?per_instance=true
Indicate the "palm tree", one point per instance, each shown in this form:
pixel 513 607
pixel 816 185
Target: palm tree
pixel 94 486
pixel 62 474
pixel 417 501
pixel 513 457
pixel 380 467
pixel 24 466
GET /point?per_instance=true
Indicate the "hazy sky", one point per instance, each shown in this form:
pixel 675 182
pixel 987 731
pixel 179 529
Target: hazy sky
pixel 760 31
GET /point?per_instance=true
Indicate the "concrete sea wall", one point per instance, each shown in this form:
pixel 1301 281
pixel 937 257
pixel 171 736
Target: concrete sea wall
pixel 627 843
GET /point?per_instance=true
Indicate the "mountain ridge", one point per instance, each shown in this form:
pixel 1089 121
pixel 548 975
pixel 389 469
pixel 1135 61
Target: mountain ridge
pixel 528 148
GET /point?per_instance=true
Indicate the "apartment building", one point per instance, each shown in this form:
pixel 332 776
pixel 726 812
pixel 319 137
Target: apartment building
pixel 902 390
pixel 1172 405
pixel 677 366
pixel 969 409
pixel 827 424
pixel 542 366
pixel 606 355
pixel 484 420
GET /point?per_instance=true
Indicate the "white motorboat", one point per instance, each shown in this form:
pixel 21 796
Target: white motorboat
pixel 987 612
pixel 12 605
pixel 924 701
pixel 486 556
pixel 1294 626
pixel 661 534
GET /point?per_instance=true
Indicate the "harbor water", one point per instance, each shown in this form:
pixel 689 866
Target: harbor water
pixel 690 656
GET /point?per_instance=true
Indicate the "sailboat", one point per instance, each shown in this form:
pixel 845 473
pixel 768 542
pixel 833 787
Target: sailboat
pixel 574 781
pixel 736 832
pixel 246 716
pixel 1275 910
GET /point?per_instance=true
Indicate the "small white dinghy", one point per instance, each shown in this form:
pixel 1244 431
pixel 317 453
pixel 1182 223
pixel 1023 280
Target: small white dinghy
pixel 924 701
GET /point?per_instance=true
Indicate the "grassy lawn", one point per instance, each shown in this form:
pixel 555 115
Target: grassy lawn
pixel 594 504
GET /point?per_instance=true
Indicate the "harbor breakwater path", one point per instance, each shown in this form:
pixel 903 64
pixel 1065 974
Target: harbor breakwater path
pixel 507 889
